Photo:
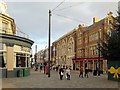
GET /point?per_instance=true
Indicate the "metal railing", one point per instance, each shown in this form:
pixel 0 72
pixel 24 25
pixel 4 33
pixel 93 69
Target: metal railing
pixel 17 33
pixel 21 34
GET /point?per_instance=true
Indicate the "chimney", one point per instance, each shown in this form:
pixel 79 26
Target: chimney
pixel 95 20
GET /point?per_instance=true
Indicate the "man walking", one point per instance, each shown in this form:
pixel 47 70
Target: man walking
pixel 61 72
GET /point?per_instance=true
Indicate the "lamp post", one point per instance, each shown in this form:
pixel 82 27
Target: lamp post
pixel 49 43
pixel 99 49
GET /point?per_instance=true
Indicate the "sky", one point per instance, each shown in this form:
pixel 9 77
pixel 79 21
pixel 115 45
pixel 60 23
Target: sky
pixel 32 18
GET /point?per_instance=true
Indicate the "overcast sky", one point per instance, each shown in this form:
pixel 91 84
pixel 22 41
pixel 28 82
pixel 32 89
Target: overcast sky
pixel 32 17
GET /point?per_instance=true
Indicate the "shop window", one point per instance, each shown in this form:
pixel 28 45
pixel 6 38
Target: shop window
pixel 20 60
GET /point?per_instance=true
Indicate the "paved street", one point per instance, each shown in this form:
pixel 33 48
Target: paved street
pixel 40 80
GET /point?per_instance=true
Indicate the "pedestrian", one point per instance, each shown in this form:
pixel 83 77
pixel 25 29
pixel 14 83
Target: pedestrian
pixel 98 71
pixel 86 72
pixel 57 68
pixel 67 73
pixel 40 67
pixel 61 73
pixel 81 72
pixel 46 69
pixel 36 66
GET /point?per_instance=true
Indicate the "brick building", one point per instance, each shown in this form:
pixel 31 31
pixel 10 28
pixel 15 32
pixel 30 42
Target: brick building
pixel 64 49
pixel 80 46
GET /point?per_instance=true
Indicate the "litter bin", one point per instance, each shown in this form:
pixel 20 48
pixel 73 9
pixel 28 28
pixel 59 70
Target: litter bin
pixel 25 72
pixel 20 73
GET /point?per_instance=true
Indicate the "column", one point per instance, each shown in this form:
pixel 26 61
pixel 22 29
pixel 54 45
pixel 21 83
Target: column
pixel 29 61
pixel 14 60
pixel 93 65
pixel 10 56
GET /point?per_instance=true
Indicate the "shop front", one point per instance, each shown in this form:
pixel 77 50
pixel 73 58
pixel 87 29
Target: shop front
pixel 90 63
pixel 15 56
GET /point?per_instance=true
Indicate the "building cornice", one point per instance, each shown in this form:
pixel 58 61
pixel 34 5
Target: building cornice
pixel 15 40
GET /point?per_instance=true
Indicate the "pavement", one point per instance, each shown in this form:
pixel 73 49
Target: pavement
pixel 38 79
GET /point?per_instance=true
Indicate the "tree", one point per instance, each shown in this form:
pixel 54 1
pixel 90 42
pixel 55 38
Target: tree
pixel 111 49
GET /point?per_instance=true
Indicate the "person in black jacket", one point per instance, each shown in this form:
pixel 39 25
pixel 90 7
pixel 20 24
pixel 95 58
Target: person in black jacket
pixel 86 72
pixel 61 73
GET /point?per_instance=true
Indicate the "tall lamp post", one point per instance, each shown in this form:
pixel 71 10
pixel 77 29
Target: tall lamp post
pixel 49 43
pixel 99 49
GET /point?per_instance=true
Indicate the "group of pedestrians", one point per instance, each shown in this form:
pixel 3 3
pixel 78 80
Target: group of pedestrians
pixel 67 73
pixel 64 72
pixel 81 72
pixel 87 71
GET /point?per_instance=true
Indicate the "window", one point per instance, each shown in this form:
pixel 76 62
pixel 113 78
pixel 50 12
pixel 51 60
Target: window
pixel 109 31
pixel 79 41
pixel 110 21
pixel 4 27
pixel 86 40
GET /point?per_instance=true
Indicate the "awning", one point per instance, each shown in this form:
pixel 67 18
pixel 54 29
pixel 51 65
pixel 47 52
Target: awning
pixel 85 59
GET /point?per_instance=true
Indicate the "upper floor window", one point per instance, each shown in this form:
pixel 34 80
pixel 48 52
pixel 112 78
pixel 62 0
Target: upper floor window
pixel 110 21
pixel 4 27
pixel 109 31
pixel 79 34
pixel 79 41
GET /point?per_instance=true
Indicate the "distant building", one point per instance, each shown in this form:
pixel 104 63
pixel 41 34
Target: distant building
pixel 64 49
pixel 14 50
pixel 42 56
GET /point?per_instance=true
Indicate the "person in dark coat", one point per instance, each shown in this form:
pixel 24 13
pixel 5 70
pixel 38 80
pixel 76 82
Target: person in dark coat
pixel 86 72
pixel 61 73
pixel 81 72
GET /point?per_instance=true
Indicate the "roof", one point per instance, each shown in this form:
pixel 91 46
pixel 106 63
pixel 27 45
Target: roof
pixel 94 25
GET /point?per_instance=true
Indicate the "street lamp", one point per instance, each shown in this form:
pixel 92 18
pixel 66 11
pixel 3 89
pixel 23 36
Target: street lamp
pixel 99 49
pixel 49 43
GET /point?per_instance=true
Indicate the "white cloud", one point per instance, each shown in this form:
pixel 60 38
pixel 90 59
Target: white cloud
pixel 62 0
pixel 32 18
